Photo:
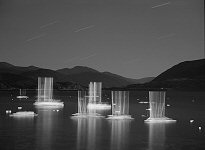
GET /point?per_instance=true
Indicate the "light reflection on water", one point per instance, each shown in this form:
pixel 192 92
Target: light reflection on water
pixel 55 130
pixel 119 134
pixel 88 131
pixel 45 127
pixel 157 135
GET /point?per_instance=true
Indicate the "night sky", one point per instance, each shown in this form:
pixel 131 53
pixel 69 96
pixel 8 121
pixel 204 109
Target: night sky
pixel 132 38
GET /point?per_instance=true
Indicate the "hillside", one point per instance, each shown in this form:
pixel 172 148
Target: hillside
pixel 66 78
pixel 188 75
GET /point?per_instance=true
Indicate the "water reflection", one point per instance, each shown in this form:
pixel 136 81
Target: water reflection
pixel 157 135
pixel 45 127
pixel 87 131
pixel 119 134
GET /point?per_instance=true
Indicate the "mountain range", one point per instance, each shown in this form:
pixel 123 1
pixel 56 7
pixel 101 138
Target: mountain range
pixel 187 75
pixel 12 76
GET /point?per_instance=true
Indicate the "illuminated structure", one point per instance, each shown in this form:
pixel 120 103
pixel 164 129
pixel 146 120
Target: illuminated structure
pixel 22 94
pixel 83 111
pixel 95 97
pixel 23 114
pixel 157 107
pixel 120 105
pixel 45 93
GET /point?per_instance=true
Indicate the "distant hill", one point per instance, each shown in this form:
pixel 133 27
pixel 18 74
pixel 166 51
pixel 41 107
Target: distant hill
pixel 84 75
pixel 188 75
pixel 8 68
pixel 66 78
pixel 76 70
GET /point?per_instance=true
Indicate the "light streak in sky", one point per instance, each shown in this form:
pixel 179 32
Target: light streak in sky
pixel 81 29
pixel 35 37
pixel 161 5
pixel 48 24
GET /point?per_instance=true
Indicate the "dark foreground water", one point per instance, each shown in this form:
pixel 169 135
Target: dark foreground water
pixel 54 129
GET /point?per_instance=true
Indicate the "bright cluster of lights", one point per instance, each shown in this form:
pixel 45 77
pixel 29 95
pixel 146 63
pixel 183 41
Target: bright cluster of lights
pixel 52 103
pixel 23 114
pixel 100 106
pixel 159 120
pixel 122 117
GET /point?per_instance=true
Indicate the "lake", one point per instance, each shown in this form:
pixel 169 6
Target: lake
pixel 54 129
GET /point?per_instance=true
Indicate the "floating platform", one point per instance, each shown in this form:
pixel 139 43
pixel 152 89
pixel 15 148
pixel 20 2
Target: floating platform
pixel 119 117
pixel 159 120
pixel 99 106
pixel 21 96
pixel 87 115
pixel 23 114
pixel 49 103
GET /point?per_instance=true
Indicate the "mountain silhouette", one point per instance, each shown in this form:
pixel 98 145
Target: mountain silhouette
pixel 26 77
pixel 187 75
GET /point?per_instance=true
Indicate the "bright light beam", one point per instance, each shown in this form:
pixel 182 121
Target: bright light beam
pixel 48 24
pixel 161 5
pixel 36 37
pixel 81 29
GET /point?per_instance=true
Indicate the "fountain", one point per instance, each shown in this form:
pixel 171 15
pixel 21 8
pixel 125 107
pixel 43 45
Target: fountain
pixel 45 93
pixel 95 97
pixel 83 111
pixel 120 105
pixel 157 107
pixel 22 94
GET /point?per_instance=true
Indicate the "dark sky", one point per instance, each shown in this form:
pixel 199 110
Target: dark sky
pixel 132 38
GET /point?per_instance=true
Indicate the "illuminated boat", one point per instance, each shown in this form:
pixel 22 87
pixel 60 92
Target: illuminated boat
pixel 23 114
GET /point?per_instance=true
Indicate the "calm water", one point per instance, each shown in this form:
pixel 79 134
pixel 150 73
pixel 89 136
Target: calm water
pixel 56 130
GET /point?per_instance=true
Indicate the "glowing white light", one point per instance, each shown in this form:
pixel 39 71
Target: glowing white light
pixel 95 97
pixel 143 102
pixel 23 114
pixel 8 111
pixel 148 109
pixel 159 120
pixel 22 97
pixel 113 117
pixel 191 121
pixel 19 108
pixel 87 115
pixel 199 128
pixel 100 106
pixel 49 103
pixel 83 111
pixel 22 94
pixel 157 107
pixel 168 105
pixel 57 110
pixel 120 105
pixel 45 93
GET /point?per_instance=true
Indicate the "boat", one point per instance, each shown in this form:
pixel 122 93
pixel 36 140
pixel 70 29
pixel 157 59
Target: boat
pixel 23 114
